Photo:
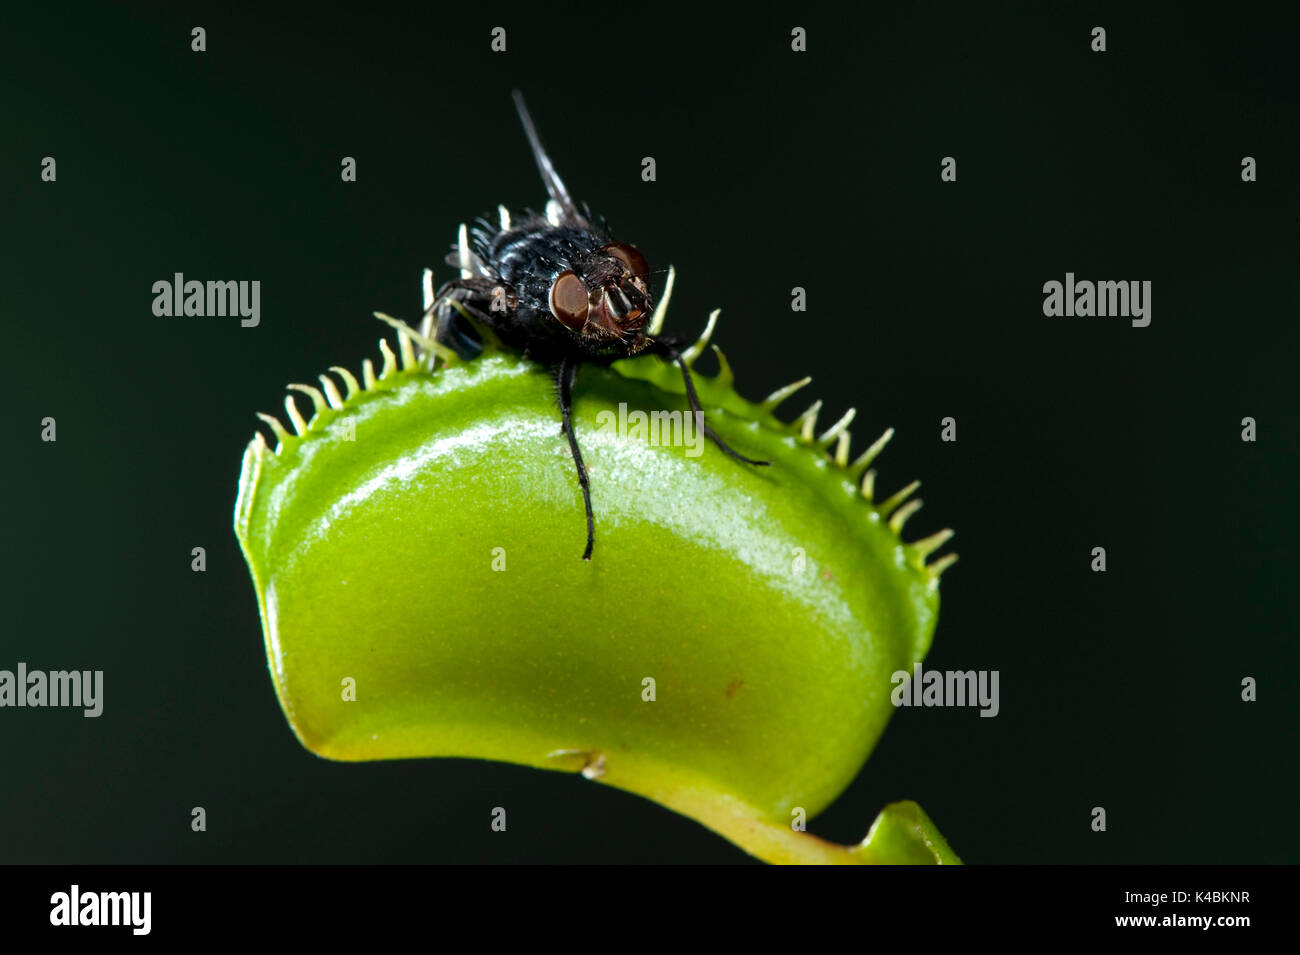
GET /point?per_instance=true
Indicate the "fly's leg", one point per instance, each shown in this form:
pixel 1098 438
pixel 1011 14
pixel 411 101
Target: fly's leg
pixel 670 350
pixel 565 375
pixel 463 313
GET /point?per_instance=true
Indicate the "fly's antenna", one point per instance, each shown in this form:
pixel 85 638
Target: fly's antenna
pixel 561 206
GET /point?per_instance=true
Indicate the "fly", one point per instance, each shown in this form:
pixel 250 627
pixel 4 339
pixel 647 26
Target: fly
pixel 560 290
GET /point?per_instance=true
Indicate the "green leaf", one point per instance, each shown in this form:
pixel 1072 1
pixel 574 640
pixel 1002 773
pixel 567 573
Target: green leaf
pixel 416 546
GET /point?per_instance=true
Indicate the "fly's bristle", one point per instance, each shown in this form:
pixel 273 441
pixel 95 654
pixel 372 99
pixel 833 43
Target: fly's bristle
pixel 902 514
pixel 295 416
pixel 864 460
pixel 661 310
pixel 694 352
pixel 331 392
pixel 772 401
pixel 807 422
pixel 503 217
pixel 835 430
pixel 890 503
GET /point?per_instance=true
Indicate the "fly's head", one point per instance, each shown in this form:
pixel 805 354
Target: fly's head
pixel 605 300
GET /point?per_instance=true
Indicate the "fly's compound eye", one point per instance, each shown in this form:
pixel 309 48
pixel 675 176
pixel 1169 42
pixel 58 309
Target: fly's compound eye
pixel 630 257
pixel 569 300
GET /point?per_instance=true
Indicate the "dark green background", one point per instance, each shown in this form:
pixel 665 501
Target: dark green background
pixel 774 170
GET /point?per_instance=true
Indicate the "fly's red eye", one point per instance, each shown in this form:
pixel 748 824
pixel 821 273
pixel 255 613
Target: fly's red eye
pixel 629 256
pixel 569 300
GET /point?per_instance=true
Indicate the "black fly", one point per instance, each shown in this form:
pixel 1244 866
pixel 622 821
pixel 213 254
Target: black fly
pixel 559 289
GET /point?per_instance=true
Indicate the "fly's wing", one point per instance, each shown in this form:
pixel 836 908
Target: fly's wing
pixel 560 208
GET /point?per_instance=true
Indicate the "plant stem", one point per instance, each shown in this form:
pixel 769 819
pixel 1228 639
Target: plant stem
pixel 901 835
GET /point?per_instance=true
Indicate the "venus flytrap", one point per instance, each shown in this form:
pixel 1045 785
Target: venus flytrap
pixel 727 652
